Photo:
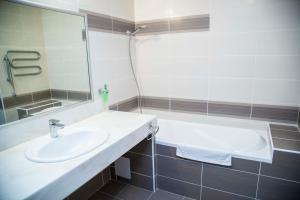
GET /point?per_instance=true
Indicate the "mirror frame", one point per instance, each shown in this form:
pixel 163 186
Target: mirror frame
pixel 67 107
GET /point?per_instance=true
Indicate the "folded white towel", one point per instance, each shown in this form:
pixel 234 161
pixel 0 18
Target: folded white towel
pixel 204 154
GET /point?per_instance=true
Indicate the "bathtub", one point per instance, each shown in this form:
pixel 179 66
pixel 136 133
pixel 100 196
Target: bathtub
pixel 245 139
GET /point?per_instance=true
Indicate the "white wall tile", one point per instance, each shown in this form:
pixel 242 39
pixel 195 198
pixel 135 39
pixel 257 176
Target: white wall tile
pixel 156 46
pixel 277 67
pixel 178 8
pixel 278 42
pixel 232 66
pixel 232 15
pixel 230 90
pixel 123 9
pixel 157 86
pixel 71 5
pixel 189 88
pixel 277 14
pixel 149 10
pixel 193 44
pixel 188 67
pixel 276 92
pixel 97 6
pixel 232 43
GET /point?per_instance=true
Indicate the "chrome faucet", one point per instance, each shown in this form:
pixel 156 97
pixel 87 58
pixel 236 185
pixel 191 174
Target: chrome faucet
pixel 54 125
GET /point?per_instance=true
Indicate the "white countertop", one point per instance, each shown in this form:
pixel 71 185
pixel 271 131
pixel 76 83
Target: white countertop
pixel 23 179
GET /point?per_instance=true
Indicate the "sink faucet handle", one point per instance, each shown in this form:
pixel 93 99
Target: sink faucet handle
pixel 53 121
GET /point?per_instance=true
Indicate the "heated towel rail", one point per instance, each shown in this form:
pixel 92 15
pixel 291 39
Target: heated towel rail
pixel 10 64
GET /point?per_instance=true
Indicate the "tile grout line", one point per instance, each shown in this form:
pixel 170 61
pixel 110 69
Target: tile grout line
pixel 141 154
pixel 228 192
pixel 210 165
pixel 259 171
pixel 201 182
pixel 137 173
pixel 286 139
pixel 178 180
pixel 298 182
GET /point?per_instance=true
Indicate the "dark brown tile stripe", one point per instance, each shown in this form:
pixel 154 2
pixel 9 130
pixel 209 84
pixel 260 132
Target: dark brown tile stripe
pixel 229 109
pixel 199 23
pixel 283 134
pixel 70 95
pixel 99 22
pixel 283 127
pixel 128 104
pixel 275 113
pixel 17 100
pixel 122 26
pixel 292 145
pixel 259 112
pixel 27 98
pixel 77 95
pixel 153 102
pixel 154 27
pixel 41 95
pixel 59 94
pixel 186 105
pixel 179 24
pixel 108 23
pixel 116 25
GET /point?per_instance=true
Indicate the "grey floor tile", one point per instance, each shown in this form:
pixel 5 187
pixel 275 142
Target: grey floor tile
pixel 138 180
pixel 113 188
pixel 164 195
pixel 178 187
pixel 102 196
pixel 211 194
pixel 134 193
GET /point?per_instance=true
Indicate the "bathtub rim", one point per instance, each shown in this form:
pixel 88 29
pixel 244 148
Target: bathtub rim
pixel 242 155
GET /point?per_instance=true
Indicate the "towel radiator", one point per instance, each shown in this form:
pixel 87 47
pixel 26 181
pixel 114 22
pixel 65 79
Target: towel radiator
pixel 10 64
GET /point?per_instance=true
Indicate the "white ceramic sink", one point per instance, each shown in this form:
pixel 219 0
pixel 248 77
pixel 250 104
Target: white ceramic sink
pixel 70 144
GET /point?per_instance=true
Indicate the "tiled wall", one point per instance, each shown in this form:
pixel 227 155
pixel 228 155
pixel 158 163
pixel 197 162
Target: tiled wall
pixel 66 51
pixel 248 55
pixel 141 166
pixel 282 114
pixel 109 64
pixel 16 31
pixel 243 180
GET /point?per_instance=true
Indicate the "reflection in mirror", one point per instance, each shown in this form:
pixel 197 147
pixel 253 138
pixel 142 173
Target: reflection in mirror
pixel 44 63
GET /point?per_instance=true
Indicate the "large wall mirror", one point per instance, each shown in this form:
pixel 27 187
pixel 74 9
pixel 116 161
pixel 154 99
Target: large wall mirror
pixel 44 61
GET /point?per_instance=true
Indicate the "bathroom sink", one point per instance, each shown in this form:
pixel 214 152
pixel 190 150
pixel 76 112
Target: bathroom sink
pixel 70 144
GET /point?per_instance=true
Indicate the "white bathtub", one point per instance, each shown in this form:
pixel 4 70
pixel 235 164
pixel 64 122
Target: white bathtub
pixel 244 139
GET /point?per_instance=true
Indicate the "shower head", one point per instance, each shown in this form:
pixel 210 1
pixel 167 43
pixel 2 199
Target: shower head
pixel 139 28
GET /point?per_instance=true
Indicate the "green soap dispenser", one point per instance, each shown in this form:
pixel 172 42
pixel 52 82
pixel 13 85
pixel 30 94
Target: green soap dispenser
pixel 104 93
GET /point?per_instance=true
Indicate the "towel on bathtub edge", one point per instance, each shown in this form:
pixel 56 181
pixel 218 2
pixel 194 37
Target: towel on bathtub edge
pixel 204 155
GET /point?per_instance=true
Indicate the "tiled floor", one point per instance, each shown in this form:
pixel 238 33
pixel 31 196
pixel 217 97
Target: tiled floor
pixel 120 191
